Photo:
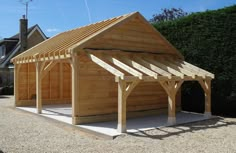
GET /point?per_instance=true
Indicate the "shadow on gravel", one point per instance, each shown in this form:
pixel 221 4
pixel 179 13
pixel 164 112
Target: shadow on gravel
pixel 184 128
pixel 1 151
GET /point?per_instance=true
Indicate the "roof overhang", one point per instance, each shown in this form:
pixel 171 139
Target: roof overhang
pixel 147 67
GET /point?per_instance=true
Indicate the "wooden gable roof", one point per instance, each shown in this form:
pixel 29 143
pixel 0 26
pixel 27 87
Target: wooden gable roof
pixel 129 32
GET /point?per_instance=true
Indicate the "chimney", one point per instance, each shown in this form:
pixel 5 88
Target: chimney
pixel 23 33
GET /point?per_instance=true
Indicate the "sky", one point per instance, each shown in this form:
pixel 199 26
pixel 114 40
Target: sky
pixel 56 16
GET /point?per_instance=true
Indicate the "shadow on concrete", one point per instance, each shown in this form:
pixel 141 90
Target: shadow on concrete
pixel 184 128
pixel 57 113
pixel 3 97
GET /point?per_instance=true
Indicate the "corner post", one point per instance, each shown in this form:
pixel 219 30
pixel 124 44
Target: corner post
pixel 206 86
pixel 75 88
pixel 38 88
pixel 16 74
pixel 121 106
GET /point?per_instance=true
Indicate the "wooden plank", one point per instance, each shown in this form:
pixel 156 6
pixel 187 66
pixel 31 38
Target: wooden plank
pixel 178 68
pixel 124 66
pixel 165 67
pixel 127 39
pixel 152 67
pixel 132 46
pixel 196 72
pixel 146 36
pixel 198 69
pixel 152 29
pixel 106 66
pixel 139 67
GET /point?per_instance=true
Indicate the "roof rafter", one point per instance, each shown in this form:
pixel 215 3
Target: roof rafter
pixel 165 67
pixel 152 67
pixel 177 68
pixel 138 66
pixel 124 66
pixel 198 69
pixel 106 66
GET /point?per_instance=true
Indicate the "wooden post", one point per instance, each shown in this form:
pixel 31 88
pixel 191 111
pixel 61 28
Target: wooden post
pixel 206 86
pixel 121 107
pixel 16 74
pixel 171 88
pixel 124 91
pixel 38 88
pixel 28 82
pixel 171 109
pixel 75 88
pixel 61 80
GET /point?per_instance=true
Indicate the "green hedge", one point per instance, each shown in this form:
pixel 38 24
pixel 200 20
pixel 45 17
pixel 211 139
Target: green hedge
pixel 208 40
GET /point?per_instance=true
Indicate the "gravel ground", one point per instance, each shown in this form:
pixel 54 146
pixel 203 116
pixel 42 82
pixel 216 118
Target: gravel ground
pixel 25 133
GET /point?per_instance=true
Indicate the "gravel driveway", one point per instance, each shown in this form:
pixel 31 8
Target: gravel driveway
pixel 26 133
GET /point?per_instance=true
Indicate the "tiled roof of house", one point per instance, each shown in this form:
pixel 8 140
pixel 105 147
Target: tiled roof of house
pixel 16 47
pixel 16 36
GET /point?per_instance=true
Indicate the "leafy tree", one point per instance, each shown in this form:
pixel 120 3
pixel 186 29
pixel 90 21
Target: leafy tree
pixel 168 15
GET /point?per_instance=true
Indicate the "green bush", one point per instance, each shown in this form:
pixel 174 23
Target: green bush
pixel 208 40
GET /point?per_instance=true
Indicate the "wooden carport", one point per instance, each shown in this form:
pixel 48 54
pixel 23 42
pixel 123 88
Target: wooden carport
pixel 127 47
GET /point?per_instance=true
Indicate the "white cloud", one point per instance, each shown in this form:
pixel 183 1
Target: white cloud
pixel 52 30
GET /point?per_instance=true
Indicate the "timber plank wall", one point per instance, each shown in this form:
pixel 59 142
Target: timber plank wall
pixel 97 89
pixel 99 92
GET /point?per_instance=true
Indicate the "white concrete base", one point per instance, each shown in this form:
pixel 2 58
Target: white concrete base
pixel 62 113
pixel 171 120
pixel 207 114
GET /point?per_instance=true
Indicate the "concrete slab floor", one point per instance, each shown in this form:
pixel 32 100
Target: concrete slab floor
pixel 63 113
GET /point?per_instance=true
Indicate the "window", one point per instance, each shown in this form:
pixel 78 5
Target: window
pixel 2 51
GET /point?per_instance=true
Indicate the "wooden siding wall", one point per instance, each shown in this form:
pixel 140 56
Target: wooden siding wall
pixel 98 92
pixel 97 89
pixel 133 36
pixel 51 92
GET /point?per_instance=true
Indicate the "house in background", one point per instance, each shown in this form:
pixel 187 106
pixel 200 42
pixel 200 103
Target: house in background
pixel 10 47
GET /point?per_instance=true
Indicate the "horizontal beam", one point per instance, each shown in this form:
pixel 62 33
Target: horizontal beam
pixel 160 78
pixel 33 59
